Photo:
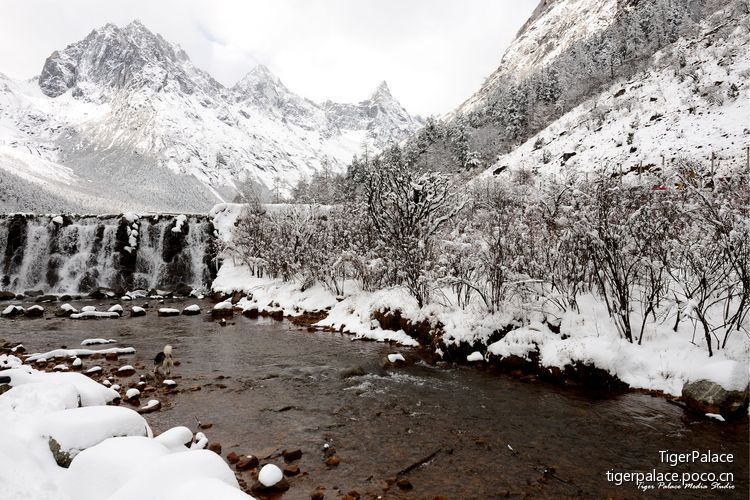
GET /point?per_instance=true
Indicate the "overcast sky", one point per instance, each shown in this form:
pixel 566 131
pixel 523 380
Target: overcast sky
pixel 433 53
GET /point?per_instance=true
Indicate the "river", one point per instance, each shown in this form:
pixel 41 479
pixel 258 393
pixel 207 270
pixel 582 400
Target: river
pixel 268 385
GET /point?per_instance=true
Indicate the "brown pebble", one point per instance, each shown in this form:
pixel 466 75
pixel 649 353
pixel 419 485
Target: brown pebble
pixel 233 458
pixel 404 484
pixel 215 447
pixel 353 494
pixel 333 461
pixel 111 356
pixel 291 470
pixel 206 425
pixel 317 495
pixel 291 455
pixel 247 462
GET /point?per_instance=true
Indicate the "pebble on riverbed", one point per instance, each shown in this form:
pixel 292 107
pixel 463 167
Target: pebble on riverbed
pixel 291 455
pixel 247 462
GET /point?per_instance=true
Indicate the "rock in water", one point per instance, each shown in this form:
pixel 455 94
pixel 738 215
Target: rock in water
pixel 247 462
pixel 291 455
pixel 706 396
pixel 136 312
pixel 270 475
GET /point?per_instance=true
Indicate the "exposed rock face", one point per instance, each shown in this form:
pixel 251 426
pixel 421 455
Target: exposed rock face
pixel 709 397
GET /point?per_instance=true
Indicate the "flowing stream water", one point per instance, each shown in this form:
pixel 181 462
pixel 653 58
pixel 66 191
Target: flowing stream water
pixel 268 385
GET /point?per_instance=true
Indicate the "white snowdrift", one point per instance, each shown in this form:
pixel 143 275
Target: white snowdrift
pixel 41 406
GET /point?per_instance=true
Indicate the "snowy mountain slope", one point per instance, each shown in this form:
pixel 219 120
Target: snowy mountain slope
pixel 570 52
pixel 554 26
pixel 136 123
pixel 692 102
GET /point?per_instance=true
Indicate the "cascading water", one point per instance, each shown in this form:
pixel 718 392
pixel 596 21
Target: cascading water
pixel 80 254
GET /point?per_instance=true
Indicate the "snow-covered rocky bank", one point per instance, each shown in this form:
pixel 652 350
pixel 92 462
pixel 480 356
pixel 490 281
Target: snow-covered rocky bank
pixel 515 338
pixel 60 439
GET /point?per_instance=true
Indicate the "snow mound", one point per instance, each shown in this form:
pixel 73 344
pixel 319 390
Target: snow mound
pixel 168 473
pixel 90 392
pixel 80 428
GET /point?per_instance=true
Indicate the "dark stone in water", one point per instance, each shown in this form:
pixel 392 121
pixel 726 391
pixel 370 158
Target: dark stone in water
pixel 65 298
pixel 233 457
pixel 182 290
pixel 222 313
pixel 247 462
pixel 137 313
pixel 404 484
pixel 34 293
pixel 14 312
pixel 259 487
pixel 250 313
pixel 705 396
pixel 101 294
pixel 63 313
pixel 291 455
pixel 7 296
pixel 215 447
pixel 46 298
pixel 34 312
pixel 291 470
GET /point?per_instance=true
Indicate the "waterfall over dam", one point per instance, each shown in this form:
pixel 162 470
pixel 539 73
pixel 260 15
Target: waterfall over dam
pixel 79 254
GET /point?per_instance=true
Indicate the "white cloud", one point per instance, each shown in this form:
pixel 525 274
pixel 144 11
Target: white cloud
pixel 433 53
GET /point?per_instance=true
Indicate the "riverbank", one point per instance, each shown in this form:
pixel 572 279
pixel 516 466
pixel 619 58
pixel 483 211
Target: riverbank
pixel 580 347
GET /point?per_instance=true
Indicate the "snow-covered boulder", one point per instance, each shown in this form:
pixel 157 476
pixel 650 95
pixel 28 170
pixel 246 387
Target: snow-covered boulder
pixel 475 356
pixel 65 310
pixel 39 398
pixel 166 477
pixel 132 394
pixel 176 438
pixel 9 361
pixel 95 473
pixel 223 310
pixel 137 311
pixel 90 392
pixel 269 475
pixel 117 308
pixel 192 310
pixel 73 430
pixel 13 311
pixel 34 311
pixel 206 487
pixel 168 311
pixel 87 342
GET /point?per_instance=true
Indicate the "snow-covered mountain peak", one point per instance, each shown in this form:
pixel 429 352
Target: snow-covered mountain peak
pixel 382 91
pixel 132 122
pixel 259 83
pixel 112 58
